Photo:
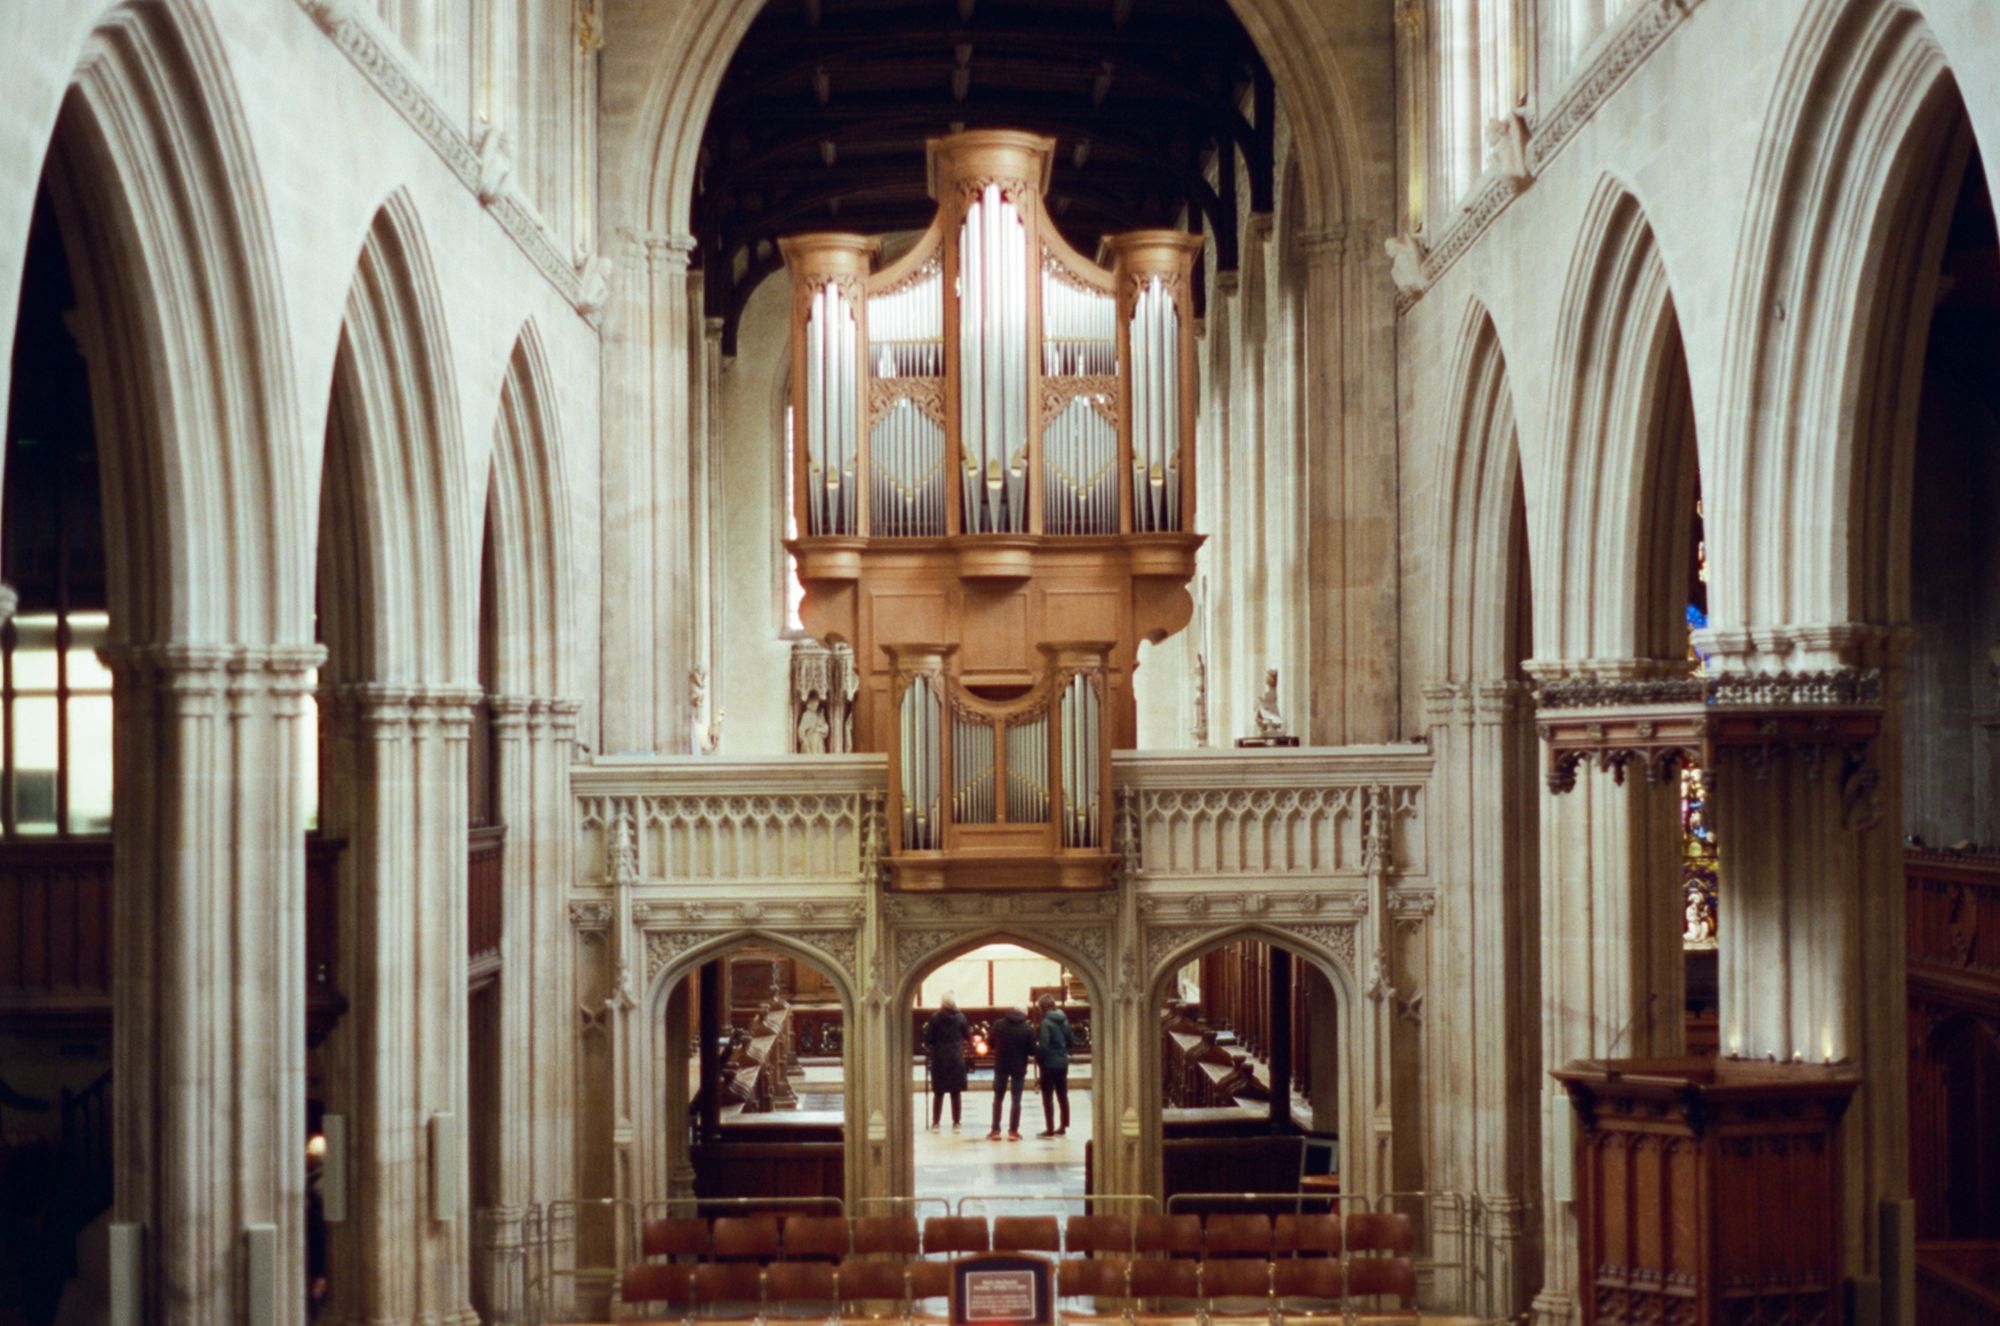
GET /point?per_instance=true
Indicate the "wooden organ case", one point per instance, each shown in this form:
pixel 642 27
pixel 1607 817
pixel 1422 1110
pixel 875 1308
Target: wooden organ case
pixel 993 482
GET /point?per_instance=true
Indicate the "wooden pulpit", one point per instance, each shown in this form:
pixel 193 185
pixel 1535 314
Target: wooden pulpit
pixel 1709 1191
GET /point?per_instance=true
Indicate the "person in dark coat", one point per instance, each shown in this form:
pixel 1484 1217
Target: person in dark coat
pixel 1052 1044
pixel 944 1041
pixel 1013 1041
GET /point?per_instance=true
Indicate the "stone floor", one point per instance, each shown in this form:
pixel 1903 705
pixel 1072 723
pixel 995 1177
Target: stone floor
pixel 953 1165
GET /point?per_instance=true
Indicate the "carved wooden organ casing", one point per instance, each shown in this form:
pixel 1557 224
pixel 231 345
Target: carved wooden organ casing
pixel 993 451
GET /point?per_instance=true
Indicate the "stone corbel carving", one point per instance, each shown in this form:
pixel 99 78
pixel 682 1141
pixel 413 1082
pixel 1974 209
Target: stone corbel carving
pixel 593 287
pixel 1507 149
pixel 496 162
pixel 1406 263
pixel 329 14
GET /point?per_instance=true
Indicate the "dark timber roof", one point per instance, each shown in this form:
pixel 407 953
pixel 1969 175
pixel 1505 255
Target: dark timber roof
pixel 821 119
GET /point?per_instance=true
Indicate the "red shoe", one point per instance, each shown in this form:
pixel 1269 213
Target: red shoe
pixel 993 1136
pixel 1013 1137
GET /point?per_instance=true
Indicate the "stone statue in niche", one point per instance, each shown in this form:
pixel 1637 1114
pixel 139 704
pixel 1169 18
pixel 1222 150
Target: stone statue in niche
pixel 1270 722
pixel 825 682
pixel 813 728
pixel 1200 729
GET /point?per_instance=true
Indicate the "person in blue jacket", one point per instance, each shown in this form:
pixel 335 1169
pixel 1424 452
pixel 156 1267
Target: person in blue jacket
pixel 1052 1044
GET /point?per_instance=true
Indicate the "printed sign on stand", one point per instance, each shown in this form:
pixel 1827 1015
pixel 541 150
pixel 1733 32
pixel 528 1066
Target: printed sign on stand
pixel 1001 1290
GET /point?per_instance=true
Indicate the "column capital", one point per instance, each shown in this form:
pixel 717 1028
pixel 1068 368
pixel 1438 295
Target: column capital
pixel 1325 245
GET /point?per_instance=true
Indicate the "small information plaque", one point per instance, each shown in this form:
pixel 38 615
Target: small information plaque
pixel 1001 1290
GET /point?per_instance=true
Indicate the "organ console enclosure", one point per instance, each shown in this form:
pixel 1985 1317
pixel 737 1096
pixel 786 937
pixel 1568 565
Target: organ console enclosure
pixel 994 491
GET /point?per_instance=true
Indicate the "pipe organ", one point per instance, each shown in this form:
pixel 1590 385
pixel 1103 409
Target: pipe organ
pixel 995 493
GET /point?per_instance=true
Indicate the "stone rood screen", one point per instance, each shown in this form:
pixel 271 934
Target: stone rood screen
pixel 995 492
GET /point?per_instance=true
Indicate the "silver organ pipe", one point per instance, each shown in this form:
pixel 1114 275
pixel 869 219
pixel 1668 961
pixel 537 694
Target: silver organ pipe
pixel 1079 472
pixel 1081 734
pixel 1079 445
pixel 919 733
pixel 906 445
pixel 1156 409
pixel 1028 769
pixel 832 412
pixel 973 793
pixel 993 364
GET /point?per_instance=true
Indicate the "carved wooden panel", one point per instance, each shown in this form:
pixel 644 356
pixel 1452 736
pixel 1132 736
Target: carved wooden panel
pixel 1709 1192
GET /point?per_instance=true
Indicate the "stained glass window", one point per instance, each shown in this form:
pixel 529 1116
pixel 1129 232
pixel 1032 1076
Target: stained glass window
pixel 1698 855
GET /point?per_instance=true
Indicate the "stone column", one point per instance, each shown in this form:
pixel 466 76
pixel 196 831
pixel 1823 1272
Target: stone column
pixel 1351 491
pixel 1810 931
pixel 399 798
pixel 552 1100
pixel 208 1011
pixel 515 1128
pixel 648 511
pixel 1613 977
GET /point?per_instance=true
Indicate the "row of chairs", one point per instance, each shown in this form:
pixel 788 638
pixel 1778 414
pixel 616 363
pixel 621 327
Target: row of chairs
pixel 1129 1260
pixel 763 1239
pixel 1313 1285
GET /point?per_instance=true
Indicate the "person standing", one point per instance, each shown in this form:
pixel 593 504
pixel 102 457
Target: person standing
pixel 1052 1045
pixel 1013 1041
pixel 944 1041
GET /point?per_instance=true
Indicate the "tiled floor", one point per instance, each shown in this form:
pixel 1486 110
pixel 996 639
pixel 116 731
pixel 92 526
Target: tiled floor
pixel 952 1165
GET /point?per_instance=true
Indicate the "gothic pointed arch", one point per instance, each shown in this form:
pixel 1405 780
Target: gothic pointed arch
pixel 398 551
pixel 1476 527
pixel 1620 455
pixel 529 506
pixel 154 184
pixel 180 319
pixel 1827 320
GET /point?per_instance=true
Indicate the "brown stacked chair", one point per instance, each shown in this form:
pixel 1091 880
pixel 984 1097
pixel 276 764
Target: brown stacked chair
pixel 729 1282
pixel 1154 1278
pixel 1314 1279
pixel 658 1282
pixel 816 1238
pixel 1098 1235
pixel 1026 1234
pixel 1091 1277
pixel 1170 1235
pixel 1234 1277
pixel 745 1238
pixel 803 1282
pixel 679 1236
pixel 1239 1234
pixel 956 1234
pixel 928 1280
pixel 1368 1277
pixel 864 1279
pixel 892 1234
pixel 1381 1232
pixel 1306 1236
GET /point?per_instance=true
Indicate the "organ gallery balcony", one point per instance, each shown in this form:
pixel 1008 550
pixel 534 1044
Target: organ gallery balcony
pixel 993 460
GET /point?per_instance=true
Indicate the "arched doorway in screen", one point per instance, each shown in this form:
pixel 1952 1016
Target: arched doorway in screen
pixel 1013 1003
